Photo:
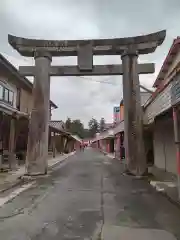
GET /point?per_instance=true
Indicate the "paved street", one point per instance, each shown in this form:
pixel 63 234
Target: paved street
pixel 83 196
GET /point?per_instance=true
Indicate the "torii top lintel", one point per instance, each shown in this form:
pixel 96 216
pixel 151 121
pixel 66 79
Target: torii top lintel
pixel 144 44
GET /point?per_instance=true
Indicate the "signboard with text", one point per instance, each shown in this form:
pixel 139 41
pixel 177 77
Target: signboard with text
pixel 116 114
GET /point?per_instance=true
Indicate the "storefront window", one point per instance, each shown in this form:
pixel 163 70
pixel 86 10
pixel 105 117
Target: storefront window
pixel 6 95
pixel 11 96
pixel 1 92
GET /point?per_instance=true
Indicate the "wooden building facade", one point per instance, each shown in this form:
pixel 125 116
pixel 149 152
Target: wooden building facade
pixel 15 110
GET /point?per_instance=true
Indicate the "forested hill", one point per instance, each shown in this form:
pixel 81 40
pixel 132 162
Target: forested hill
pixel 76 127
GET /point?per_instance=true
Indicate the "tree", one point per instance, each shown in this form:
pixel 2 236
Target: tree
pixel 93 127
pixel 102 125
pixel 77 128
pixel 68 124
pixel 86 133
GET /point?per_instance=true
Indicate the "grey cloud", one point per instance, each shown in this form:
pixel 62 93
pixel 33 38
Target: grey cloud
pixel 70 19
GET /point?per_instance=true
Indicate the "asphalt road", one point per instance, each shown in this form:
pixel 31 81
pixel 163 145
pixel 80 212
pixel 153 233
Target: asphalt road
pixel 80 197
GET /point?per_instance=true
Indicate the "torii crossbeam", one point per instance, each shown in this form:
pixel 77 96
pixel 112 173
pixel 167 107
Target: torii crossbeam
pixel 44 50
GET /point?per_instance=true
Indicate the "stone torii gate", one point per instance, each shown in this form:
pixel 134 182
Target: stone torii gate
pixel 44 50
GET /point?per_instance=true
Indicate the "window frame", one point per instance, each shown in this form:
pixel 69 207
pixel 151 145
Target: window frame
pixel 1 98
pixel 7 91
pixel 12 101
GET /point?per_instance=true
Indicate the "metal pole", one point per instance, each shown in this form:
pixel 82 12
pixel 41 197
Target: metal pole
pixel 177 142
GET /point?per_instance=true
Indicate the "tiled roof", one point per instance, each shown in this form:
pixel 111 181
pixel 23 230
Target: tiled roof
pixel 159 83
pixel 77 138
pixel 119 128
pixel 58 125
pixel 110 132
pixel 108 125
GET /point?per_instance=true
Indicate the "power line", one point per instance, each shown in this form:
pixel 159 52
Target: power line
pixel 85 78
pixel 88 78
pixel 141 86
pixel 95 80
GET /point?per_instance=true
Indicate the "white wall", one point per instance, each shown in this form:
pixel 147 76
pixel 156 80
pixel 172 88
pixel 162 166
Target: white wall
pixel 164 146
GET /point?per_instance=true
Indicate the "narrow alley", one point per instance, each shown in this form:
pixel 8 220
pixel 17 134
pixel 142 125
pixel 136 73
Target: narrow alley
pixel 87 197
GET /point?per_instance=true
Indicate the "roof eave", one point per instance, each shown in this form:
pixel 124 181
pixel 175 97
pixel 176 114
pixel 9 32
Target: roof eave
pixel 7 65
pixel 15 72
pixel 168 60
pixel 53 105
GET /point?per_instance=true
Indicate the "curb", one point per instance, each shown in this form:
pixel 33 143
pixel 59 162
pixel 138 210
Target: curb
pixel 103 152
pixel 54 165
pixel 69 155
pixel 164 194
pixel 106 154
pixel 176 203
pixel 20 180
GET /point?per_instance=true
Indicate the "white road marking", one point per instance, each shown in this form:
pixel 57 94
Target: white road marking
pixel 12 195
pixel 159 189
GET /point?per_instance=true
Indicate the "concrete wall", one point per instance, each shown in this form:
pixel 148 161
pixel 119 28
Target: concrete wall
pixel 164 146
pixel 121 112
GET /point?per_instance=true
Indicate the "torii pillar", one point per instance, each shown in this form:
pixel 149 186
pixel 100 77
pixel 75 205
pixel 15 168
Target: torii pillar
pixel 133 117
pixel 37 149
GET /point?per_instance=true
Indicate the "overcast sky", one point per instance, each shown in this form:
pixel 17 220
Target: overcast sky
pixel 79 19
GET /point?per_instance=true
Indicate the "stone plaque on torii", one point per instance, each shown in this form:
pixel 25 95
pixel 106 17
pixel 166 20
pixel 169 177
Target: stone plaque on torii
pixel 44 50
